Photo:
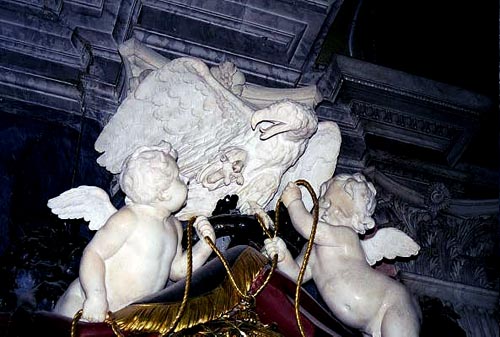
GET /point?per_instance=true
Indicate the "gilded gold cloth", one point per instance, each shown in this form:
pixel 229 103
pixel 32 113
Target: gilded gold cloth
pixel 214 306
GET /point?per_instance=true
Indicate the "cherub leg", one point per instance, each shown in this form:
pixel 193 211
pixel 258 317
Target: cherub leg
pixel 71 301
pixel 400 321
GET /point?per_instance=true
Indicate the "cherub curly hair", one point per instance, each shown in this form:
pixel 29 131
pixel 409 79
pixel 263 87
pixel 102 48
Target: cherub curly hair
pixel 363 193
pixel 147 172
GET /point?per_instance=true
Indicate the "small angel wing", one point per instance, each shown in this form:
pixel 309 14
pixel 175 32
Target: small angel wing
pixel 88 202
pixel 388 243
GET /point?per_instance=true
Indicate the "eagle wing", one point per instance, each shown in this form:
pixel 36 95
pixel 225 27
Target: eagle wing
pixel 180 103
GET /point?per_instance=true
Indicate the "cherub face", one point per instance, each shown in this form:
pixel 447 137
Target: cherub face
pixel 176 193
pixel 336 207
pixel 348 201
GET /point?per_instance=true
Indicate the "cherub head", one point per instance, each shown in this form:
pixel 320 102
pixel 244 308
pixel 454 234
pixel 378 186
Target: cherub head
pixel 348 200
pixel 150 174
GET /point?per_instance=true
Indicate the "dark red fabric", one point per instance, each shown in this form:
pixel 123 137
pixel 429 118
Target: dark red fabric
pixel 275 304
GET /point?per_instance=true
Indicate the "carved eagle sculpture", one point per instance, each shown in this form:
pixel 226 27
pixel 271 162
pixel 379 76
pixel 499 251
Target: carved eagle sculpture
pixel 224 145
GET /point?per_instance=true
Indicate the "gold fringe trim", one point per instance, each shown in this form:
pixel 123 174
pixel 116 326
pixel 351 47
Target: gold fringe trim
pixel 157 317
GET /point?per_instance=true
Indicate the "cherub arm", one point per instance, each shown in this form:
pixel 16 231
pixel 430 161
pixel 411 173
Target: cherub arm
pixel 286 263
pixel 201 250
pixel 105 243
pixel 302 220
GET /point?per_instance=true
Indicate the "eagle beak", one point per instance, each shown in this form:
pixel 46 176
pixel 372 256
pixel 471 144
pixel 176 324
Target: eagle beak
pixel 269 126
pixel 257 118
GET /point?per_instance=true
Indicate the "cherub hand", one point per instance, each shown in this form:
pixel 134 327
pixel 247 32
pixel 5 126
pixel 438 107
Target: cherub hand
pixel 95 309
pixel 204 228
pixel 275 246
pixel 291 193
pixel 252 208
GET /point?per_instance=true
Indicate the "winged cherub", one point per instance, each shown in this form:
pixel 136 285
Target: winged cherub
pixel 339 264
pixel 136 249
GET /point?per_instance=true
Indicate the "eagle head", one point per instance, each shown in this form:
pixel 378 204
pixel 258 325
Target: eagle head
pixel 293 119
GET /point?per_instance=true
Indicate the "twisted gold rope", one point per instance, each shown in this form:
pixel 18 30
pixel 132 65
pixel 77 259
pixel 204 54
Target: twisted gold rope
pixel 310 243
pixel 109 319
pixel 226 266
pixel 189 274
pixel 274 262
pixel 307 254
pixel 228 269
pixel 74 322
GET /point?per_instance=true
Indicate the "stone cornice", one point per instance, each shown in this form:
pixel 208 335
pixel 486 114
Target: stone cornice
pixel 454 293
pixel 455 206
pixel 399 106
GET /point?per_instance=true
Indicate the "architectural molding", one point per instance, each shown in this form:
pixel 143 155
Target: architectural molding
pixel 458 249
pixel 269 43
pixel 477 307
pixel 457 243
pixel 398 106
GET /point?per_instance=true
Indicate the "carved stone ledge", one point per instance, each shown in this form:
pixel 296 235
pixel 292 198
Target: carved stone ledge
pixel 68 62
pixel 50 8
pixel 270 41
pixel 90 7
pixel 43 91
pixel 454 293
pixel 263 73
pixel 398 106
pixel 477 307
pixel 383 121
pixel 41 39
pixel 456 206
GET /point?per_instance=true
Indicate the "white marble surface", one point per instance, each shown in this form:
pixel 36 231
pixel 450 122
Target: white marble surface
pixel 358 295
pixel 138 247
pixel 226 145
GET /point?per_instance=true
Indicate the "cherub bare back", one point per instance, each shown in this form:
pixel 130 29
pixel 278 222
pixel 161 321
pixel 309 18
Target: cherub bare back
pixel 138 248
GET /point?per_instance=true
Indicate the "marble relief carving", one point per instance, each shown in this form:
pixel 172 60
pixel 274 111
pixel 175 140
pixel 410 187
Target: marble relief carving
pixel 227 142
pixel 456 249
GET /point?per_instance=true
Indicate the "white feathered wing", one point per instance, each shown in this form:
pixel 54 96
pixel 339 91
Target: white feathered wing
pixel 180 103
pixel 90 203
pixel 388 243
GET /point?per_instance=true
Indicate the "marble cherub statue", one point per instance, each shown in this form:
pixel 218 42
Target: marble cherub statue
pixel 137 248
pixel 226 144
pixel 360 296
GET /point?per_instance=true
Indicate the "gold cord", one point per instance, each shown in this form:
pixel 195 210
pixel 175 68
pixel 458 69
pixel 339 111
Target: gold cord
pixel 274 263
pixel 308 251
pixel 110 320
pixel 261 223
pixel 189 273
pixel 226 266
pixel 74 322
